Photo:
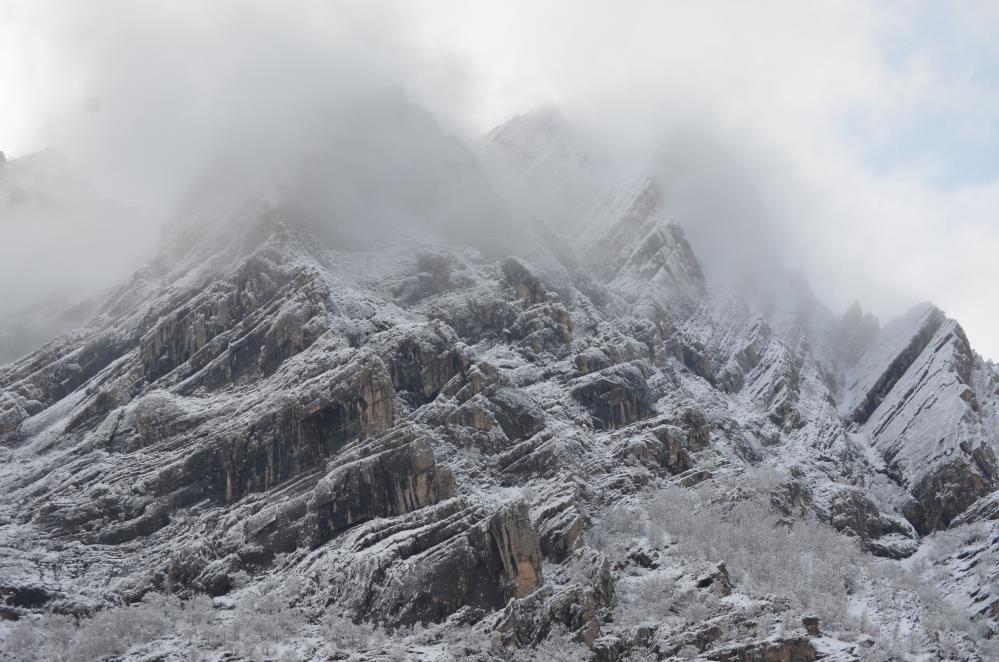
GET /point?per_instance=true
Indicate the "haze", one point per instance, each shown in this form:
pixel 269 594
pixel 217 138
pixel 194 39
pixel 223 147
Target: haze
pixel 855 142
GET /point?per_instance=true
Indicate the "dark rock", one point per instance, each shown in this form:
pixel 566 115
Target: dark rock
pixel 608 649
pixel 542 327
pixel 853 513
pixel 480 315
pixel 943 494
pixel 811 624
pixel 421 362
pixel 290 441
pixel 717 580
pixel 559 522
pixel 393 482
pixel 646 557
pixel 662 447
pixel 462 559
pixel 614 396
pixel 12 413
pixel 518 415
pixel 219 308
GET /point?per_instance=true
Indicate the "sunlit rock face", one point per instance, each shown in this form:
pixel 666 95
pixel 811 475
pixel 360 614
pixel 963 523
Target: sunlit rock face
pixel 418 430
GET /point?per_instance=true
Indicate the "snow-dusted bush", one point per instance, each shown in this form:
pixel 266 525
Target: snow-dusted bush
pixel 263 620
pixel 462 644
pixel 109 632
pixel 113 631
pixel 344 633
pixel 617 525
pixel 558 647
pixel 23 641
pixel 805 560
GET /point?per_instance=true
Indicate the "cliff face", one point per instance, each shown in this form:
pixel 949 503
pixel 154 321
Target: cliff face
pixel 425 435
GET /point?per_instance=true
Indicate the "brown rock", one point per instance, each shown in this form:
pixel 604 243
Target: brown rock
pixel 811 624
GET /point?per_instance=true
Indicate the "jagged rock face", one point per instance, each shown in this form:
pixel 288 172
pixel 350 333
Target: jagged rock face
pixel 945 493
pixel 797 649
pixel 12 413
pixel 423 363
pixel 578 607
pixel 257 399
pixel 664 443
pixel 920 408
pixel 854 514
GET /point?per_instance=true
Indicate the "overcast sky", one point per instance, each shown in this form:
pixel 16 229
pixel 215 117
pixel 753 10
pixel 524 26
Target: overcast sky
pixel 859 141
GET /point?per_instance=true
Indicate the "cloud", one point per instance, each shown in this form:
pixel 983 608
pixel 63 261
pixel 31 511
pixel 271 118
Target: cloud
pixel 149 99
pixel 850 140
pixel 855 140
pixel 144 91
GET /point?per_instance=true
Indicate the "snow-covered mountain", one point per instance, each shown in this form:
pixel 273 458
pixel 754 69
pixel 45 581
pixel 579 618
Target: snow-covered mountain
pixel 568 444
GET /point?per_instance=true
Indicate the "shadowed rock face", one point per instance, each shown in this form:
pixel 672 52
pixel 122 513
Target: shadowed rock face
pixel 422 364
pixel 278 449
pixel 392 482
pixel 854 514
pixel 945 493
pixel 615 396
pixel 435 562
pixel 524 283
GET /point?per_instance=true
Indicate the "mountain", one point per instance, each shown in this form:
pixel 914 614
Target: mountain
pixel 302 432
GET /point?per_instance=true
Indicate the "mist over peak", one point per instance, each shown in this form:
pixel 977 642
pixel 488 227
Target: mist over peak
pixel 375 165
pixel 757 172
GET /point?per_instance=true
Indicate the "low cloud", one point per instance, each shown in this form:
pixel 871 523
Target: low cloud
pixel 831 138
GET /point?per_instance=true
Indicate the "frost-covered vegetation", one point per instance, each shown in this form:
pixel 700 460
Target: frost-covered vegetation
pixel 257 624
pixel 779 568
pixel 808 566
